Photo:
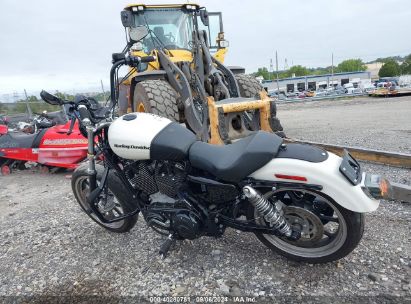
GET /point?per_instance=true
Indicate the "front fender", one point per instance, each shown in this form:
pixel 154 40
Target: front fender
pixel 324 173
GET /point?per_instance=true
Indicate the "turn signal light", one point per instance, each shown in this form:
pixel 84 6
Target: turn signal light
pixel 376 186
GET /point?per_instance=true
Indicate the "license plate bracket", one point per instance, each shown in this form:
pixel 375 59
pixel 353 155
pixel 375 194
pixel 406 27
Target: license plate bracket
pixel 350 168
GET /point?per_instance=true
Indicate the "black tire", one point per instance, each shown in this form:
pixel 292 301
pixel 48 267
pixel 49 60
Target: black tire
pixel 354 223
pixel 251 88
pixel 115 186
pixel 156 97
pixel 3 160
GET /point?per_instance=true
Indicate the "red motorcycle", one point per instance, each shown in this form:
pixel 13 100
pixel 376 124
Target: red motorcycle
pixel 61 146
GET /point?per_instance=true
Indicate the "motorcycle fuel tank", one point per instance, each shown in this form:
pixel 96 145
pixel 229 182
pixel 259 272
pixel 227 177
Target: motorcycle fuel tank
pixel 130 135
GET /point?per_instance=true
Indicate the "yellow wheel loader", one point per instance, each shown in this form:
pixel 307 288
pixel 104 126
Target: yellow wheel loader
pixel 188 81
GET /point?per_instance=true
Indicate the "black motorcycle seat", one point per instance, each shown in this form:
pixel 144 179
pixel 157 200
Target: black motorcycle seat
pixel 21 140
pixel 172 143
pixel 235 161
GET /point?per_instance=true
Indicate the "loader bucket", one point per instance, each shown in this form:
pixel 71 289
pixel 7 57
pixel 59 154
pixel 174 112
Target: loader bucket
pixel 227 121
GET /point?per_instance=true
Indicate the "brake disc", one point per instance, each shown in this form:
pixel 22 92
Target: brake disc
pixel 107 204
pixel 308 223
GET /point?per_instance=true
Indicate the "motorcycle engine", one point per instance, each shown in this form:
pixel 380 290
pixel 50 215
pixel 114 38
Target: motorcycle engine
pixel 166 212
pixel 155 176
pixel 166 215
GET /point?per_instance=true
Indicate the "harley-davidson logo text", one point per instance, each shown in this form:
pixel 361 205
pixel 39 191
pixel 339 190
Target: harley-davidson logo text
pixel 69 141
pixel 131 147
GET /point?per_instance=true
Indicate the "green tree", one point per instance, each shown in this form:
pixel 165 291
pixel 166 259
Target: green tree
pixel 298 70
pixel 263 72
pixel 29 99
pixel 64 95
pixel 32 98
pixel 406 66
pixel 351 65
pixel 389 69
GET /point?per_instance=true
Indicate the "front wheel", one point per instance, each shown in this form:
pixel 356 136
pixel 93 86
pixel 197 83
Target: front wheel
pixel 113 203
pixel 328 231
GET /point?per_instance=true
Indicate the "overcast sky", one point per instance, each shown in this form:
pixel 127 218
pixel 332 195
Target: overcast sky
pixel 67 45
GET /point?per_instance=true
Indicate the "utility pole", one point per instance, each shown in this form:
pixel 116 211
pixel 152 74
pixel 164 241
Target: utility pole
pixel 29 112
pixel 276 69
pixel 102 88
pixel 271 69
pixel 285 64
pixel 332 69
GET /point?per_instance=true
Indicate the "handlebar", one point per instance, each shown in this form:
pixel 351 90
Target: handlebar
pixel 131 60
pixel 120 59
pixel 83 106
pixel 147 59
pixel 83 113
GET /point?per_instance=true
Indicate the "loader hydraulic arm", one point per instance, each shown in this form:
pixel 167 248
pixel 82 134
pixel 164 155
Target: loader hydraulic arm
pixel 213 77
pixel 179 82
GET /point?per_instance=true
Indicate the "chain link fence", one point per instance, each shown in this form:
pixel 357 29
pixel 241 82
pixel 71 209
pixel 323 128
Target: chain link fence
pixel 17 102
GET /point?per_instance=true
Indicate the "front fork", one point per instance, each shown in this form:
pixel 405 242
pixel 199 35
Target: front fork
pixel 94 190
pixel 91 171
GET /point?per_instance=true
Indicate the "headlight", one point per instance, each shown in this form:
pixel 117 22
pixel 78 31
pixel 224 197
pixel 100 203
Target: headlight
pixel 223 44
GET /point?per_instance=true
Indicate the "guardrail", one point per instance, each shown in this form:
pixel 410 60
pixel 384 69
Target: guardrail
pixel 324 97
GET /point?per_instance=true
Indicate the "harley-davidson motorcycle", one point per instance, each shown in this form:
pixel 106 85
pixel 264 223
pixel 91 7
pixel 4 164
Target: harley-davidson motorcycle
pixel 299 200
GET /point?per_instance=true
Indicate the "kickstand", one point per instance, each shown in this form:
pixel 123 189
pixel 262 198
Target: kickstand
pixel 165 247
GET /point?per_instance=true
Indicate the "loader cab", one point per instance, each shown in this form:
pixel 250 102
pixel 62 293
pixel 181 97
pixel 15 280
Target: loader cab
pixel 171 26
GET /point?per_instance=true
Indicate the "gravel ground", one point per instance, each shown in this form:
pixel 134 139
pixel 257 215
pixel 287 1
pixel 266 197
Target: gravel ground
pixel 377 123
pixel 49 248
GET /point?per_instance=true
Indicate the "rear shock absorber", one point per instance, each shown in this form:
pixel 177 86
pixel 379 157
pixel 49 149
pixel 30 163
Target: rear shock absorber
pixel 270 213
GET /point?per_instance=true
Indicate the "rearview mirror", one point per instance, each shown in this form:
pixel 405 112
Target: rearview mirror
pixel 50 99
pixel 204 17
pixel 138 33
pixel 127 18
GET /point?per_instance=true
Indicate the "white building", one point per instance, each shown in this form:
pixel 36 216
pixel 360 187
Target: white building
pixel 315 82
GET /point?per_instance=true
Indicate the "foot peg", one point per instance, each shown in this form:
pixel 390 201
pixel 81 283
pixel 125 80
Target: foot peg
pixel 165 247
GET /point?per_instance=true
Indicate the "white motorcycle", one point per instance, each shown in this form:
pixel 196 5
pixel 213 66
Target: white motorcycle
pixel 299 200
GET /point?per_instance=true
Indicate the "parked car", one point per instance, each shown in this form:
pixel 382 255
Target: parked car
pixel 321 92
pixel 310 94
pixel 350 89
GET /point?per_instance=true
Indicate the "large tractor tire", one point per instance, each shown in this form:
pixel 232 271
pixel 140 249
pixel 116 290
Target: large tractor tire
pixel 251 88
pixel 156 97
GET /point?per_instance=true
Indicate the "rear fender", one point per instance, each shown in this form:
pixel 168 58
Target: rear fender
pixel 326 174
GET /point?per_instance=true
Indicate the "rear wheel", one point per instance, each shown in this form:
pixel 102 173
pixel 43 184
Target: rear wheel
pixel 156 97
pixel 251 88
pixel 328 231
pixel 113 204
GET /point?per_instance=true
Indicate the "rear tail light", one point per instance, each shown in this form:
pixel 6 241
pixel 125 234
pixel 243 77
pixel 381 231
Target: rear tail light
pixel 291 177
